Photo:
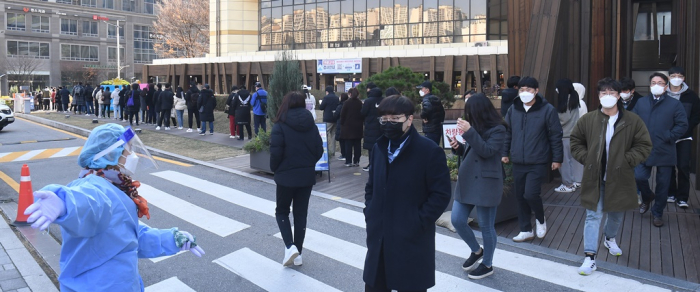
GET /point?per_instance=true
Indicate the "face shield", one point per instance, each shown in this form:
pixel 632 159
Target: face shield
pixel 135 157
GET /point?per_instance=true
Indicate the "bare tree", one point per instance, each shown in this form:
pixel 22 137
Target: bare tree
pixel 182 28
pixel 20 69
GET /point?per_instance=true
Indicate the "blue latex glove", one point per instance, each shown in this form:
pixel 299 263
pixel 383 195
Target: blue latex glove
pixel 45 210
pixel 196 250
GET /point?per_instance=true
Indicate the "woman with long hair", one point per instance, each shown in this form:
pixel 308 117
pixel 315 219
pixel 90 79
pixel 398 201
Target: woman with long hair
pixel 295 147
pixel 568 107
pixel 480 182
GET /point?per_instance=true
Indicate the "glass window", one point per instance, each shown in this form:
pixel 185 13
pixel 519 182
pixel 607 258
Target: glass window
pixel 109 4
pixel 23 48
pixel 128 5
pixel 12 48
pixel 88 3
pixel 32 49
pixel 79 53
pixel 645 21
pixel 69 26
pixel 89 28
pixel 112 31
pixel 148 6
pixel 386 12
pixel 44 50
pixel 16 21
pixel 40 24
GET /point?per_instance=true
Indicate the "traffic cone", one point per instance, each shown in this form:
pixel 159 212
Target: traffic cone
pixel 26 197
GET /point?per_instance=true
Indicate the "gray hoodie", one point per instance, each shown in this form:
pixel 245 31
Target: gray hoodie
pixel 677 95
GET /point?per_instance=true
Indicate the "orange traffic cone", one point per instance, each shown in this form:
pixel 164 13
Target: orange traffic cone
pixel 26 197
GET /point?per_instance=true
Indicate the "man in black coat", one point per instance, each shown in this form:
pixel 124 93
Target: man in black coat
pixel 89 99
pixel 156 102
pixel 65 98
pixel 328 105
pixel 165 104
pixel 533 142
pixel 509 94
pixel 666 121
pixel 191 98
pixel 629 95
pixel 133 103
pixel 407 191
pixel 433 113
pixel 369 111
pixel 150 103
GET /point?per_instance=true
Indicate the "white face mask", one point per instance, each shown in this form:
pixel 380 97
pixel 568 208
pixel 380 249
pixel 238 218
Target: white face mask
pixel 526 97
pixel 676 81
pixel 129 167
pixel 625 96
pixel 608 101
pixel 421 93
pixel 657 90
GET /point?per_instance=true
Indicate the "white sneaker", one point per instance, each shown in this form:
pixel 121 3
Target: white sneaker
pixel 298 261
pixel 199 130
pixel 587 267
pixel 564 189
pixel 524 236
pixel 289 255
pixel 612 247
pixel 189 130
pixel 157 128
pixel 541 228
pixel 167 128
pixel 671 199
pixel 232 137
pixel 179 128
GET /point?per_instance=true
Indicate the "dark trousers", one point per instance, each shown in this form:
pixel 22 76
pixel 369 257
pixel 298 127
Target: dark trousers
pixel 259 121
pixel 342 147
pixel 164 115
pixel 435 136
pixel 286 196
pixel 151 119
pixel 642 173
pixel 144 118
pixel 89 107
pixel 47 105
pixel 380 284
pixel 681 189
pixel 528 180
pixel 240 131
pixel 64 108
pixel 132 114
pixel 122 112
pixel 105 109
pixel 194 112
pixel 352 146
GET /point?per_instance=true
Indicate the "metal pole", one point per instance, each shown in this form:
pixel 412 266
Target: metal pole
pixel 119 63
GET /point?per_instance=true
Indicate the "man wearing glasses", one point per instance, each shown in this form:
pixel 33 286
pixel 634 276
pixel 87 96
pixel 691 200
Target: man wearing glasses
pixel 666 121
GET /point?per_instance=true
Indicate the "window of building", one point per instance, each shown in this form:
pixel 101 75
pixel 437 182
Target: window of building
pixel 66 1
pixel 69 26
pixel 143 45
pixel 16 21
pixel 112 54
pixel 109 4
pixel 148 6
pixel 89 28
pixel 32 49
pixel 88 3
pixel 112 32
pixel 128 5
pixel 40 24
pixel 79 53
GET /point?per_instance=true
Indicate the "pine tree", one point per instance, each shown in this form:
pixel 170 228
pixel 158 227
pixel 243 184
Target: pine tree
pixel 286 77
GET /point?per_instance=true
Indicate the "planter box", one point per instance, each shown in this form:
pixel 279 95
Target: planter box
pixel 260 161
pixel 508 209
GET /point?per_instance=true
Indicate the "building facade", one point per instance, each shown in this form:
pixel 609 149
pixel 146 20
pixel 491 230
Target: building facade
pixel 61 42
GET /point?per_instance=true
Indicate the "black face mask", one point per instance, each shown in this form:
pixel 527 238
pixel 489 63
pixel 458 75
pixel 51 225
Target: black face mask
pixel 392 131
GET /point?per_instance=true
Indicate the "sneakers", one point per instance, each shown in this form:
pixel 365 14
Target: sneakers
pixel 202 134
pixel 587 267
pixel 612 247
pixel 341 158
pixel 167 128
pixel 524 236
pixel 564 189
pixel 541 228
pixel 211 133
pixel 199 130
pixel 473 261
pixel 671 199
pixel 355 164
pixel 298 261
pixel 232 137
pixel 179 128
pixel 157 128
pixel 366 168
pixel 189 130
pixel 682 204
pixel 577 185
pixel 348 164
pixel 644 207
pixel 481 272
pixel 290 254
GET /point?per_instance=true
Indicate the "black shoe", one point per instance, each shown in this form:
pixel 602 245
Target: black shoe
pixel 366 168
pixel 481 272
pixel 682 204
pixel 472 261
pixel 658 222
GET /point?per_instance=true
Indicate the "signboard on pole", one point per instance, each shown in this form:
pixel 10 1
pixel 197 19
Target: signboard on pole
pixel 322 164
pixel 451 130
pixel 332 66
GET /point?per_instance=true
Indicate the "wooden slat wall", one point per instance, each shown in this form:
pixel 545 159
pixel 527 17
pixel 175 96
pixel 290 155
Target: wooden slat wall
pixel 597 45
pixel 449 69
pixel 541 39
pixel 519 14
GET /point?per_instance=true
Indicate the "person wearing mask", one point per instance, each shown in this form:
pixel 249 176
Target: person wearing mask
pixel 328 104
pixel 156 103
pixel 666 121
pixel 191 98
pixel 78 102
pixel 116 95
pixel 180 106
pixel 629 95
pixel 124 115
pixel 259 102
pixel 480 183
pixel 339 125
pixel 582 109
pixel 165 104
pixel 144 105
pixel 369 111
pixel 241 107
pixel 150 104
pixel 568 108
pixel 133 103
pixel 233 129
pixel 99 101
pixel 534 144
pixel 45 100
pixel 295 147
pixel 206 105
pixel 433 113
pixel 509 94
pixel 106 103
pixel 611 141
pixel 467 95
pixel 98 213
pixel 401 228
pixel 310 101
pixel 351 127
pixel 65 98
pixel 679 191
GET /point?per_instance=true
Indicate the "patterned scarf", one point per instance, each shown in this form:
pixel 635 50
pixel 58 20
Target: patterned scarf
pixel 125 184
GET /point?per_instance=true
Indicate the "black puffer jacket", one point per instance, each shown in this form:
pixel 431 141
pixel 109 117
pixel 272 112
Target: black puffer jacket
pixel 191 98
pixel 369 112
pixel 508 95
pixel 336 117
pixel 295 147
pixel 134 95
pixel 533 137
pixel 240 106
pixel 208 101
pixel 166 99
pixel 328 105
pixel 434 112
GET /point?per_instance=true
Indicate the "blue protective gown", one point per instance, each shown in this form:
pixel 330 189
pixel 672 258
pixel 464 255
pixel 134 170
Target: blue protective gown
pixel 103 239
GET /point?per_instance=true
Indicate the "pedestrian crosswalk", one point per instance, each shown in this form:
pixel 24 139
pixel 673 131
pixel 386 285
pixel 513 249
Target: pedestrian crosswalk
pixel 251 264
pixel 39 154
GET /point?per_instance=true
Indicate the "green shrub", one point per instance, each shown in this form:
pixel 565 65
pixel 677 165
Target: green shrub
pixel 286 77
pixel 405 81
pixel 221 101
pixel 260 143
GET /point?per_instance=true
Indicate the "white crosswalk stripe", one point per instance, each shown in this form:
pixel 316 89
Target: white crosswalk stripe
pixel 268 274
pixel 169 285
pixel 64 152
pixel 29 155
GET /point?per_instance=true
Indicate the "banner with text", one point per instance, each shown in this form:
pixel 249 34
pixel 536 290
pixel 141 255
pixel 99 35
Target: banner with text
pixel 450 130
pixel 322 164
pixel 331 66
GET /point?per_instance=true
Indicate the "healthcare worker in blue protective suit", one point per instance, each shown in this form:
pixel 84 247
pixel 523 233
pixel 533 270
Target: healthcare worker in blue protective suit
pixel 99 216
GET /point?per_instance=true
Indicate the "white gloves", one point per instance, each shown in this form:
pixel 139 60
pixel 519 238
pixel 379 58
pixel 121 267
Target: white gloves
pixel 196 250
pixel 45 210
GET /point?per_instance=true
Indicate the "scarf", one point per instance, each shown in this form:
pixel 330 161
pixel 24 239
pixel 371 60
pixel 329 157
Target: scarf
pixel 124 183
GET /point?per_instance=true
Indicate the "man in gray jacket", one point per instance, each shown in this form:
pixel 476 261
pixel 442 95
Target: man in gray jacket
pixel 533 142
pixel 666 121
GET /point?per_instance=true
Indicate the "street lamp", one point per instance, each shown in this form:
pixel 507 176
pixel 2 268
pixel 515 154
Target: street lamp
pixel 119 63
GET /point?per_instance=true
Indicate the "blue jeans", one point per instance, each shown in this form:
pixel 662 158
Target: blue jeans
pixel 487 219
pixel 592 225
pixel 89 109
pixel 204 127
pixel 179 117
pixel 642 173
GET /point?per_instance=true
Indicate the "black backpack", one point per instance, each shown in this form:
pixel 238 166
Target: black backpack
pixel 263 102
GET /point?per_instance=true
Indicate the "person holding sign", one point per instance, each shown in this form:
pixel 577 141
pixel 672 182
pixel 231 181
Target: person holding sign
pixel 480 182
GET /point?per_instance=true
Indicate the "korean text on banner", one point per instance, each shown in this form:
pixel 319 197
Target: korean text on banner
pixel 322 164
pixel 451 130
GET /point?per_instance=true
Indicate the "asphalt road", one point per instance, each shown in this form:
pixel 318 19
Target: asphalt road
pixel 233 220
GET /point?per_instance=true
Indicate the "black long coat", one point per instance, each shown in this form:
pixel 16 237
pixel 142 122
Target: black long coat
pixel 403 199
pixel 351 127
pixel 338 123
pixel 240 105
pixel 206 99
pixel 369 111
pixel 295 147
